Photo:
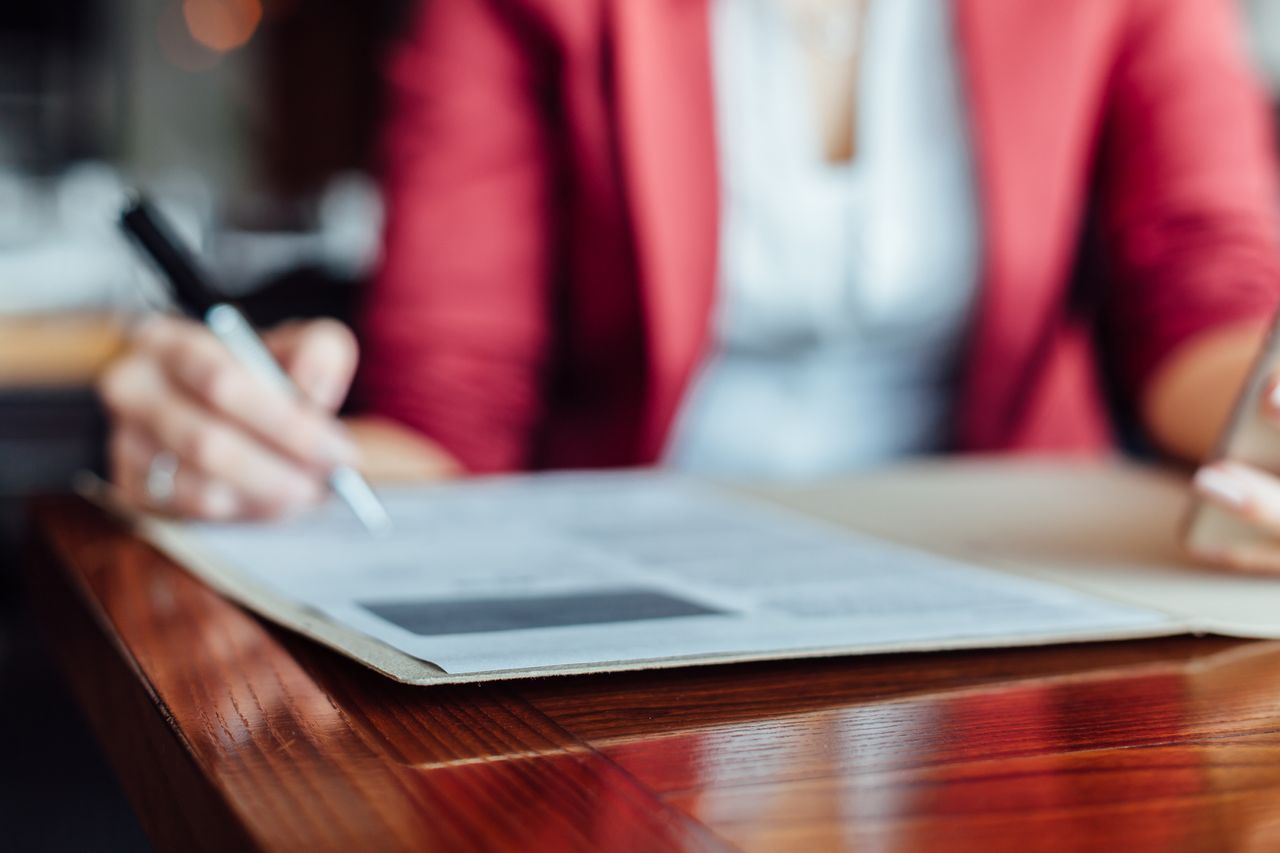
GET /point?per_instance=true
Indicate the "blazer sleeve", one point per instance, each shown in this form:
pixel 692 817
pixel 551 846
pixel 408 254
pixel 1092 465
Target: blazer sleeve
pixel 455 329
pixel 1190 194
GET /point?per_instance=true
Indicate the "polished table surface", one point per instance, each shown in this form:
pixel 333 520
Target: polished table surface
pixel 229 733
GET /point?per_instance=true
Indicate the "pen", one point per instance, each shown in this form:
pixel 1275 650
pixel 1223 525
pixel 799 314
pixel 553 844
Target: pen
pixel 196 297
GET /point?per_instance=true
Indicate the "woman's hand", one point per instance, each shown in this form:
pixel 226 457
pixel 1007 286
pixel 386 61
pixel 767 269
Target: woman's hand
pixel 1185 411
pixel 194 433
pixel 1252 494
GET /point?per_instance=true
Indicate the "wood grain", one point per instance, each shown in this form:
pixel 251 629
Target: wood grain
pixel 230 733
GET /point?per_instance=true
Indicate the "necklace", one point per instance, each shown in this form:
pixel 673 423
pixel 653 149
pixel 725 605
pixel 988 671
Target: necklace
pixel 831 29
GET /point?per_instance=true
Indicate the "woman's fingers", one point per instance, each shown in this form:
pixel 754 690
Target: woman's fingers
pixel 144 401
pixel 132 454
pixel 1248 492
pixel 246 448
pixel 201 367
pixel 1252 495
pixel 1270 400
pixel 320 356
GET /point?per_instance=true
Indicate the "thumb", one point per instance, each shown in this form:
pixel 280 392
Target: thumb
pixel 319 356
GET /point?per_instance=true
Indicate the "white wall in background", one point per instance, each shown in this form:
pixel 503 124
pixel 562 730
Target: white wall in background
pixel 1263 19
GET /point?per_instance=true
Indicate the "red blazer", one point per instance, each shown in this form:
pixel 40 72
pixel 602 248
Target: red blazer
pixel 550 256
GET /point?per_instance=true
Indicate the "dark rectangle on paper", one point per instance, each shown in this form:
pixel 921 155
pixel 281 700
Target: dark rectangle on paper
pixel 483 615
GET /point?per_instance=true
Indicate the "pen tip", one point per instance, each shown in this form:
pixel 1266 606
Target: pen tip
pixel 379 528
pixel 353 490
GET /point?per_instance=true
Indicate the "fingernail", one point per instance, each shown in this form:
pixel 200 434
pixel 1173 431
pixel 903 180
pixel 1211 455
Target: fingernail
pixel 1222 487
pixel 1273 398
pixel 221 502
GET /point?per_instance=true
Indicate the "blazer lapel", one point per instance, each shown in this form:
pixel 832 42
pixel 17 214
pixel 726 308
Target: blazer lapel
pixel 666 117
pixel 1023 99
pixel 665 110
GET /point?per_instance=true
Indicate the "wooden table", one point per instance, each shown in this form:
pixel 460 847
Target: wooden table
pixel 231 734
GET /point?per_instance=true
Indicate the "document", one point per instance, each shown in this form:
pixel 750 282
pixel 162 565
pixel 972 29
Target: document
pixel 531 575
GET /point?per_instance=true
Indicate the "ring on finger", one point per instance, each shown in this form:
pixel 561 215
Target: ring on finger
pixel 162 478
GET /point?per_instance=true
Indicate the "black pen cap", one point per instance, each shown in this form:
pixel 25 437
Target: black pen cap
pixel 158 240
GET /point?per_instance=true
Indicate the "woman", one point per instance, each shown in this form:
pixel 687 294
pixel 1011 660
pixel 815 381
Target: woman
pixel 771 238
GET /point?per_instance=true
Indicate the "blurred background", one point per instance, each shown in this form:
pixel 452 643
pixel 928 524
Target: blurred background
pixel 254 123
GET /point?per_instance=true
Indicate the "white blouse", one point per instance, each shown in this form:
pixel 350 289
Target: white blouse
pixel 845 290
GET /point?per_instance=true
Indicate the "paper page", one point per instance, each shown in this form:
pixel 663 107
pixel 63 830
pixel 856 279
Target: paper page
pixel 568 569
pixel 1106 528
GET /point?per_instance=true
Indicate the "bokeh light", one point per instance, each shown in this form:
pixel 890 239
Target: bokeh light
pixel 222 25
